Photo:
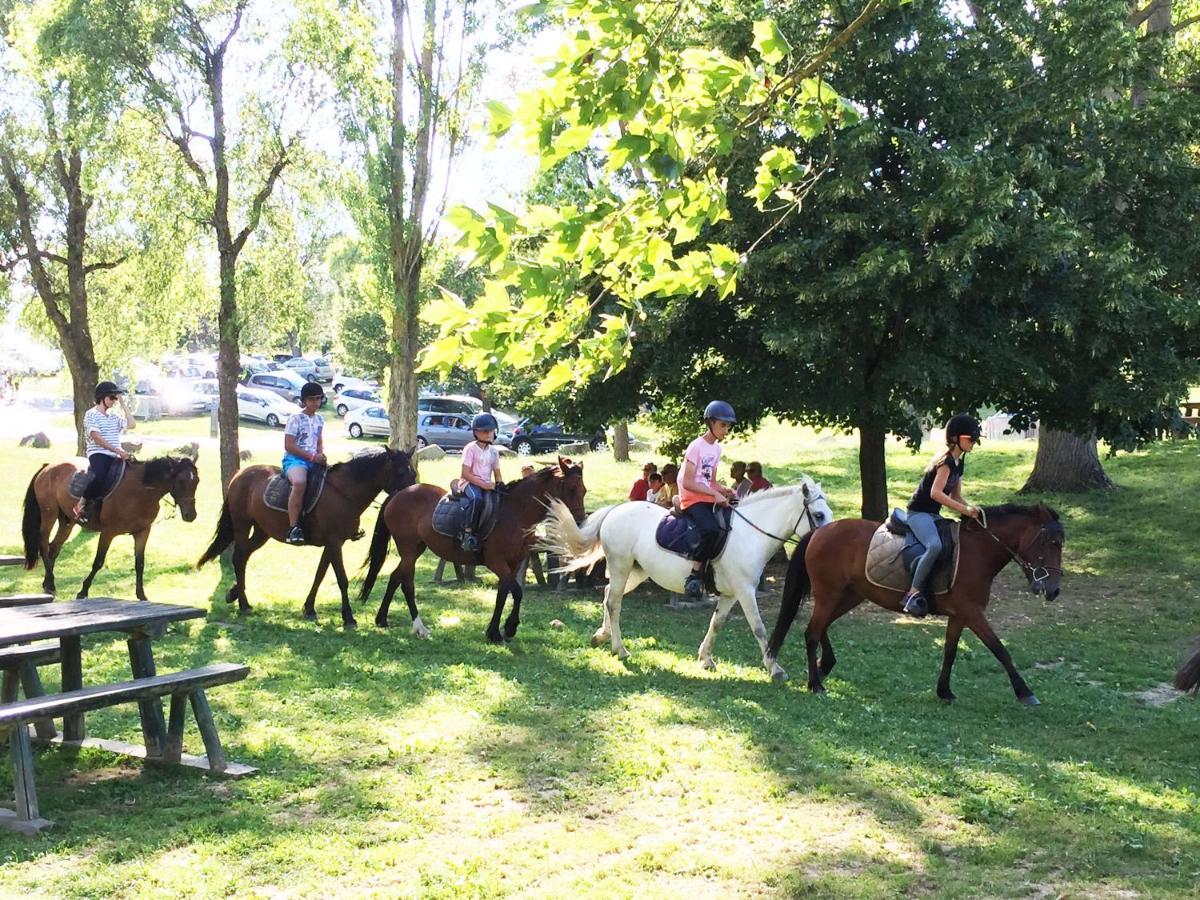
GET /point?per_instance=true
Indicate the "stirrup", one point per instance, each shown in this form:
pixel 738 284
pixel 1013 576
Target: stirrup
pixel 916 605
pixel 693 587
pixel 295 535
pixel 469 542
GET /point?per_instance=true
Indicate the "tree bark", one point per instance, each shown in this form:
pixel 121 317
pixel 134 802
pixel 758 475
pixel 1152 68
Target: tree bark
pixel 872 471
pixel 1066 463
pixel 402 380
pixel 621 441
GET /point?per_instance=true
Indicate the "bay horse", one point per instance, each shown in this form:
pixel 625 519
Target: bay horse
pixel 624 534
pixel 407 518
pixel 1187 678
pixel 831 563
pixel 130 509
pixel 247 522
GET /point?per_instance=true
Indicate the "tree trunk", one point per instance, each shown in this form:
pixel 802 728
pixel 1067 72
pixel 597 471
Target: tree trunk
pixel 85 375
pixel 1066 463
pixel 621 441
pixel 872 472
pixel 229 366
pixel 402 381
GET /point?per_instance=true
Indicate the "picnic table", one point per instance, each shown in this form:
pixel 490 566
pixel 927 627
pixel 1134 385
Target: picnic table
pixel 67 623
pixel 1191 412
pixel 7 560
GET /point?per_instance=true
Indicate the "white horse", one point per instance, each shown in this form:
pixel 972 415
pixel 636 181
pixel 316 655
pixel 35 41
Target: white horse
pixel 624 534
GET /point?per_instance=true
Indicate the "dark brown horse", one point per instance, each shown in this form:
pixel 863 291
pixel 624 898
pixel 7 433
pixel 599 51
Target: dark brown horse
pixel 246 521
pixel 130 509
pixel 832 561
pixel 1188 676
pixel 408 518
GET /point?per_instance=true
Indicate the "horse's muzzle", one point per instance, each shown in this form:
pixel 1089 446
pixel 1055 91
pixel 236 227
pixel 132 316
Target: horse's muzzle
pixel 188 515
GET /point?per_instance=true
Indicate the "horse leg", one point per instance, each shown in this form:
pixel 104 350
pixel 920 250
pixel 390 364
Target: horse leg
pixel 828 660
pixel 243 545
pixel 618 576
pixel 506 586
pixel 310 610
pixel 953 632
pixel 749 602
pixel 514 617
pixel 49 550
pixel 402 575
pixel 139 561
pixel 975 620
pixel 720 614
pixel 334 552
pixel 407 575
pixel 97 563
pixel 818 624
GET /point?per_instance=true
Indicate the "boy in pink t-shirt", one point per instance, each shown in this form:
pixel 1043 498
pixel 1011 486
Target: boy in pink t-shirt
pixel 480 472
pixel 700 491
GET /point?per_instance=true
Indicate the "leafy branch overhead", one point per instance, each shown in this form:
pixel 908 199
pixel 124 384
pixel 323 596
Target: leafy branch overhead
pixel 573 281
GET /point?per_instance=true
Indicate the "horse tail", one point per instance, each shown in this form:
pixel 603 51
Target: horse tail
pixel 222 537
pixel 378 553
pixel 1188 676
pixel 795 589
pixel 580 544
pixel 31 523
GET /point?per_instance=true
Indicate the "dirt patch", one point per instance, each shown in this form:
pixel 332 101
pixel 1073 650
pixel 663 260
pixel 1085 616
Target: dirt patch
pixel 1159 695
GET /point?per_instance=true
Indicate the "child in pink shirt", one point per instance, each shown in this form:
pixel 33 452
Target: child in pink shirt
pixel 480 472
pixel 701 492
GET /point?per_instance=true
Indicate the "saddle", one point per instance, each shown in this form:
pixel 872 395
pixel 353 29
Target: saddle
pixel 894 551
pixel 676 534
pixel 278 489
pixel 450 514
pixel 81 480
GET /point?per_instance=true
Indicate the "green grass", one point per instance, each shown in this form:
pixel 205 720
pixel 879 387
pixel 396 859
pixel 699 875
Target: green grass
pixel 453 768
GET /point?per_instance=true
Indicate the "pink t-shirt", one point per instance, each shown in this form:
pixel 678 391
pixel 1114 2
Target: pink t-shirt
pixel 482 462
pixel 704 457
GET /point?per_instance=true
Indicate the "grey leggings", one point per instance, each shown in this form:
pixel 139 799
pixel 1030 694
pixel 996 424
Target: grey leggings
pixel 924 527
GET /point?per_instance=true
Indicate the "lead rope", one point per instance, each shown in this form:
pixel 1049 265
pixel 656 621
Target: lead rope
pixel 774 537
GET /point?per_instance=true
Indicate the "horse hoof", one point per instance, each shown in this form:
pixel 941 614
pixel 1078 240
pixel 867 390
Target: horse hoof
pixel 419 630
pixel 816 689
pixel 779 676
pixel 598 639
pixel 381 622
pixel 708 665
pixel 1031 700
pixel 495 637
pixel 310 616
pixel 947 698
pixel 622 654
pixel 349 625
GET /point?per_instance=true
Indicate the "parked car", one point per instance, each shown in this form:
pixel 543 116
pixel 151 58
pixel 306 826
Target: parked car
pixel 353 398
pixel 301 366
pixel 448 431
pixel 341 381
pixel 527 439
pixel 323 367
pixel 370 419
pixel 174 396
pixel 264 406
pixel 284 383
pixel 462 404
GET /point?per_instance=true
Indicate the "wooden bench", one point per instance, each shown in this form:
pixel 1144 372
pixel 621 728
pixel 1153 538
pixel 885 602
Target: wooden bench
pixel 19 666
pixel 1191 412
pixel 8 601
pixel 182 687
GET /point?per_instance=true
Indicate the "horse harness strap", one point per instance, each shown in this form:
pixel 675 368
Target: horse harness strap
pixel 1031 571
pixel 786 540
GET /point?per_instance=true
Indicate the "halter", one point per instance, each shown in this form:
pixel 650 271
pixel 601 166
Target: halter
pixel 806 512
pixel 1037 574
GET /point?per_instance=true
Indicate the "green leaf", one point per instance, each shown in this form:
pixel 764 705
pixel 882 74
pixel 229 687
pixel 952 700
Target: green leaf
pixel 559 375
pixel 769 41
pixel 501 118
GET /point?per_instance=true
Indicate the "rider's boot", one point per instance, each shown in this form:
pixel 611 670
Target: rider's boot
pixel 915 603
pixel 693 588
pixel 295 535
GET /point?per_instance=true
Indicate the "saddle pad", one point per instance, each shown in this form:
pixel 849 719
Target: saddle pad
pixel 81 480
pixel 449 516
pixel 278 489
pixel 677 534
pixel 886 566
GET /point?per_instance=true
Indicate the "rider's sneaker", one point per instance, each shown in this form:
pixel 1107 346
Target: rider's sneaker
pixel 469 542
pixel 693 588
pixel 915 604
pixel 296 535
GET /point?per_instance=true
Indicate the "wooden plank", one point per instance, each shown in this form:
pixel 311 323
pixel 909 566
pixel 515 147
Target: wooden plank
pixel 7 560
pixel 137 751
pixel 208 730
pixel 72 618
pixel 154 731
pixel 10 600
pixel 22 760
pixel 31 683
pixel 38 654
pixel 9 685
pixel 72 680
pixel 87 699
pixel 173 749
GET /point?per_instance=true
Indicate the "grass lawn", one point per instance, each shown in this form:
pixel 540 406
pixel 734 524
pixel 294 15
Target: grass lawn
pixel 453 768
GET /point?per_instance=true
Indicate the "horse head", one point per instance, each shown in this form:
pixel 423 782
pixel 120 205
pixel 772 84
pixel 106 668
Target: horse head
pixel 400 472
pixel 573 488
pixel 181 478
pixel 816 507
pixel 1033 537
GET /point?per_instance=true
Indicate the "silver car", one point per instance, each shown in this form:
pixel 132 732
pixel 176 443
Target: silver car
pixel 284 383
pixel 448 431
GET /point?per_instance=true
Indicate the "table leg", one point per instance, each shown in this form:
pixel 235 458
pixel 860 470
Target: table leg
pixel 174 745
pixel 208 731
pixel 72 680
pixel 22 760
pixel 141 660
pixel 31 683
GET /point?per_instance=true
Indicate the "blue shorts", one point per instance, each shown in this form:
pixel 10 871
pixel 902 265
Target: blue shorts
pixel 290 461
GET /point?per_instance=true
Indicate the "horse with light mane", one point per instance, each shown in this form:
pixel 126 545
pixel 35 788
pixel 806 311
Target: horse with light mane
pixel 624 534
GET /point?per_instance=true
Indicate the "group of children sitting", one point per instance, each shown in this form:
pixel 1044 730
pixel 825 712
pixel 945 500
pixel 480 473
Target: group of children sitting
pixel 663 487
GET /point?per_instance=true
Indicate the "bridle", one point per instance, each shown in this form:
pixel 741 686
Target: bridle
pixel 805 512
pixel 1037 574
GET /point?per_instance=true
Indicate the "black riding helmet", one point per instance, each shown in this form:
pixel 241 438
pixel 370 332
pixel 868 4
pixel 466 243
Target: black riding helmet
pixel 311 389
pixel 107 389
pixel 962 425
pixel 484 422
pixel 721 411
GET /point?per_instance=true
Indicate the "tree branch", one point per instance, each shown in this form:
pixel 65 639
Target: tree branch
pixel 1179 26
pixel 98 266
pixel 1137 17
pixel 256 205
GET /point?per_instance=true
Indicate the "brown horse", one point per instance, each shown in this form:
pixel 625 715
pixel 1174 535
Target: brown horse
pixel 408 518
pixel 832 563
pixel 246 521
pixel 130 509
pixel 1187 678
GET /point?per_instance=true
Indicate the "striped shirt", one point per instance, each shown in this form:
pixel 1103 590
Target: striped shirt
pixel 109 425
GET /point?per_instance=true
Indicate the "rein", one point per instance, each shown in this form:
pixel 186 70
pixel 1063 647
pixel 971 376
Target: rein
pixel 1031 571
pixel 785 540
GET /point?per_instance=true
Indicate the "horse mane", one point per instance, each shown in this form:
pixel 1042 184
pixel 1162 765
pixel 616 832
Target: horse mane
pixel 1012 510
pixel 161 468
pixel 532 482
pixel 361 464
pixel 785 490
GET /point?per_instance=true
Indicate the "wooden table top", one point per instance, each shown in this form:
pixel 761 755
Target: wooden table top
pixel 6 560
pixel 95 614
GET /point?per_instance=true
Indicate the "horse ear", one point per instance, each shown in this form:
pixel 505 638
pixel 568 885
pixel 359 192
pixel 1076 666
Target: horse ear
pixel 804 488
